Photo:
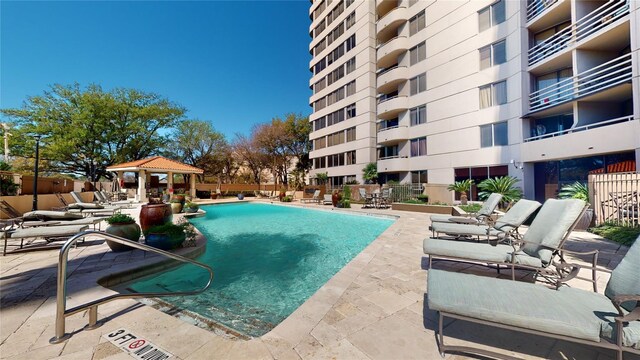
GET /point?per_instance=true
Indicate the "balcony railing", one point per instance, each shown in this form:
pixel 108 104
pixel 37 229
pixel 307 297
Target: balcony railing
pixel 384 71
pixel 591 23
pixel 581 128
pixel 536 7
pixel 388 128
pixel 384 99
pixel 601 77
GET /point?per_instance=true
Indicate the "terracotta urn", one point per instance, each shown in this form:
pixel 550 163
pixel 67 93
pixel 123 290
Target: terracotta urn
pixel 154 214
pixel 130 231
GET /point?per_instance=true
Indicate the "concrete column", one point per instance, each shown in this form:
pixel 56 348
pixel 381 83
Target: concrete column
pixel 169 181
pixel 193 185
pixel 142 186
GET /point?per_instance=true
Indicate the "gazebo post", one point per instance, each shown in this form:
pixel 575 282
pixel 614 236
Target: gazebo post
pixel 192 178
pixel 142 186
pixel 169 181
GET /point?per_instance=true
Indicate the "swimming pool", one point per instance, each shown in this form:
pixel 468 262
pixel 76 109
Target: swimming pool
pixel 267 260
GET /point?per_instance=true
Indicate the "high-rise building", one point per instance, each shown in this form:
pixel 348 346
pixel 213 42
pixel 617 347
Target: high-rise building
pixel 547 91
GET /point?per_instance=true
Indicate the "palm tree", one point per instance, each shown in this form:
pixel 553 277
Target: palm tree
pixel 504 185
pixel 461 187
pixel 370 173
pixel 577 190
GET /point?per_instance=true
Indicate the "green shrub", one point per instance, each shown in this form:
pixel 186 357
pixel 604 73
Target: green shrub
pixel 504 185
pixel 577 190
pixel 120 219
pixel 413 201
pixel 287 199
pixel 623 234
pixel 471 208
pixel 460 186
pixel 169 228
pixel 423 198
pixel 191 205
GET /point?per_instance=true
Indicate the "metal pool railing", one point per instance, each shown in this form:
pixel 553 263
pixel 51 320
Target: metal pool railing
pixel 61 298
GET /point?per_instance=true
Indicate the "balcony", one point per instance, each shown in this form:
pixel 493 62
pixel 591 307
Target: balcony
pixel 593 22
pixel 392 106
pixel 389 79
pixel 393 134
pixel 537 7
pixel 389 22
pixel 385 6
pixel 608 75
pixel 393 164
pixel 583 141
pixel 389 51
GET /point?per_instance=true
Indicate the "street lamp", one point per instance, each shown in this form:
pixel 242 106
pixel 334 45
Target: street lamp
pixel 35 173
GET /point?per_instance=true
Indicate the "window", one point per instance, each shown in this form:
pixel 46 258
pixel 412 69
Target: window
pixel 418 115
pixel 319 124
pixel 319 163
pixel 320 143
pixel 417 54
pixel 351 111
pixel 478 174
pixel 418 84
pixel 351 20
pixel 351 42
pixel 416 23
pixel 319 66
pixel 351 65
pixel 494 135
pixel 388 152
pixel 491 15
pixel 348 2
pixel 350 157
pixel 493 94
pixel 419 147
pixel 493 54
pixel 351 88
pixel 351 134
pixel 335 138
pixel 335 160
pixel 419 177
pixel 319 85
pixel 320 104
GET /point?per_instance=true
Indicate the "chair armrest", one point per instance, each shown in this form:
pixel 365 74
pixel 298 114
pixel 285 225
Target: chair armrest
pixel 631 316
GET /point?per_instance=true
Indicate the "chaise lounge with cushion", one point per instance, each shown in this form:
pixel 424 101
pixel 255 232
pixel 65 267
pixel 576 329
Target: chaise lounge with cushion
pixel 488 207
pixel 507 225
pixel 609 321
pixel 541 244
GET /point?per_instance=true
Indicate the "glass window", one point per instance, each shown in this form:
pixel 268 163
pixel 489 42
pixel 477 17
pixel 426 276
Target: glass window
pixel 351 157
pixel 491 15
pixel 419 177
pixel 419 147
pixel 351 111
pixel 351 20
pixel 493 94
pixel 418 115
pixel 417 54
pixel 500 136
pixel 485 96
pixel 418 84
pixel 485 57
pixel 351 42
pixel 351 88
pixel 486 136
pixel 416 23
pixel 351 134
pixel 493 54
pixel 351 65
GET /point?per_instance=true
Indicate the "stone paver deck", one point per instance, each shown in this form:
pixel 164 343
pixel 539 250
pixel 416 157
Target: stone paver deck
pixel 374 308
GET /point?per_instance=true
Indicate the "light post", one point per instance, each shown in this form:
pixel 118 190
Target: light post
pixel 35 174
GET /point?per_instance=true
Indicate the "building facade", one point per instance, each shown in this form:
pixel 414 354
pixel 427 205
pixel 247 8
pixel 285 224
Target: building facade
pixel 546 90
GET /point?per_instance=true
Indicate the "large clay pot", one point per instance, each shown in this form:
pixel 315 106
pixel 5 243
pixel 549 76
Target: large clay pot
pixel 176 207
pixel 130 231
pixel 164 241
pixel 335 197
pixel 180 197
pixel 154 214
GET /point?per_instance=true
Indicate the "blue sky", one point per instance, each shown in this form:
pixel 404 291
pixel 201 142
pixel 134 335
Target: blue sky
pixel 234 63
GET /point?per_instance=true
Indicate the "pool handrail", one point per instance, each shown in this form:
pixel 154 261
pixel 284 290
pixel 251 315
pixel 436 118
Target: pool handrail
pixel 61 297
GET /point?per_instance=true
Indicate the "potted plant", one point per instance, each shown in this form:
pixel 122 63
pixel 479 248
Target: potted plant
pixel 176 206
pixel 214 195
pixel 286 199
pixel 578 190
pixel 345 202
pixel 461 187
pixel 124 226
pixel 166 237
pixel 191 207
pixel 240 196
pixel 179 197
pixel 423 198
pixel 335 198
pixel 282 194
pixel 504 185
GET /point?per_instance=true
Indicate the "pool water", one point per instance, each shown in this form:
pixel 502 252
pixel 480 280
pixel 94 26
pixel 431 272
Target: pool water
pixel 267 260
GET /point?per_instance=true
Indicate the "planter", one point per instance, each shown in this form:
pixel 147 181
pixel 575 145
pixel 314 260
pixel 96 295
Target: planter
pixel 240 196
pixel 335 197
pixel 214 196
pixel 179 197
pixel 164 241
pixel 585 221
pixel 130 231
pixel 190 210
pixel 176 207
pixel 154 214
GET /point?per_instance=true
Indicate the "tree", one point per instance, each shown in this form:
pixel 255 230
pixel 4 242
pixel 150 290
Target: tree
pixel 198 144
pixel 251 156
pixel 298 129
pixel 370 173
pixel 504 185
pixel 86 130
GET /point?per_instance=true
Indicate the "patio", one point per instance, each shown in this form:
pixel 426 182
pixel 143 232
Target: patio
pixel 373 308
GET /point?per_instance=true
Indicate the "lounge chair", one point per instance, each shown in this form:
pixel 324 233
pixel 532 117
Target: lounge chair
pixel 505 226
pixel 76 196
pixel 609 321
pixel 480 217
pixel 368 198
pixel 44 218
pixel 104 200
pixel 85 208
pixel 48 233
pixel 327 200
pixel 540 245
pixel 385 198
pixel 315 198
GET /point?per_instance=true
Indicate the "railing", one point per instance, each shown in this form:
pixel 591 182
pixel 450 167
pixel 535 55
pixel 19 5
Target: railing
pixel 388 128
pixel 388 41
pixel 387 70
pixel 389 157
pixel 601 77
pixel 61 298
pixel 536 7
pixel 591 23
pixel 581 128
pixel 385 99
pixel 403 192
pixel 615 197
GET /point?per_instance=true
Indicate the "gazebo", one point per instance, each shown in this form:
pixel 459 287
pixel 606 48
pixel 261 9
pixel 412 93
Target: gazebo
pixel 155 165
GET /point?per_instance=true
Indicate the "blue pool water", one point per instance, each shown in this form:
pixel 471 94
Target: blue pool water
pixel 267 261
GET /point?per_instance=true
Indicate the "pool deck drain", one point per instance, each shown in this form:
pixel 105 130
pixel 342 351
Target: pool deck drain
pixel 373 308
